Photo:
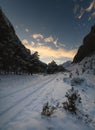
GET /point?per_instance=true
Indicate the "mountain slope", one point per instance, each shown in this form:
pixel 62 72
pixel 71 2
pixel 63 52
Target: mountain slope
pixel 14 57
pixel 87 48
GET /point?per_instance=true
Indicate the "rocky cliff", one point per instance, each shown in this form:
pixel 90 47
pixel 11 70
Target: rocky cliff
pixel 87 48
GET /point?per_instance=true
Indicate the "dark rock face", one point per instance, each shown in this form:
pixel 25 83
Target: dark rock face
pixel 14 57
pixel 87 48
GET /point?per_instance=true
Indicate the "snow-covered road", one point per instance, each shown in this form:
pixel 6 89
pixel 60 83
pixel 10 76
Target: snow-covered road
pixel 15 101
pixel 22 99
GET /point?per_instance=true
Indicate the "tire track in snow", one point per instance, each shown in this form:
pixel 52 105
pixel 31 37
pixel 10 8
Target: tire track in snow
pixel 10 94
pixel 9 113
pixel 42 84
pixel 14 97
pixel 48 95
pixel 47 91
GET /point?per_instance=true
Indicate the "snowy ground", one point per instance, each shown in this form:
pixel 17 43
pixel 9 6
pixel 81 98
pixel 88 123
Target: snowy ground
pixel 22 98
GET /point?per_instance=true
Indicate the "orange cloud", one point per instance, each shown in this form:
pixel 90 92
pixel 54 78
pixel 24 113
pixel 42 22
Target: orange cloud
pixel 52 40
pixel 48 52
pixel 25 42
pixel 49 39
pixel 36 36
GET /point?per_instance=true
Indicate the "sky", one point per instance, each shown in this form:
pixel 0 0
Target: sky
pixel 54 28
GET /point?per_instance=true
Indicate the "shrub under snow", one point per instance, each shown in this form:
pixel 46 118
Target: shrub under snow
pixel 47 110
pixel 73 100
pixel 72 104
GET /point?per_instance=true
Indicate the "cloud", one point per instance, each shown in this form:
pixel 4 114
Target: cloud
pixel 39 44
pixel 32 43
pixel 76 7
pixel 91 16
pixel 25 42
pixel 48 52
pixel 49 39
pixel 82 11
pixel 55 42
pixel 79 11
pixel 91 6
pixel 26 30
pixel 37 36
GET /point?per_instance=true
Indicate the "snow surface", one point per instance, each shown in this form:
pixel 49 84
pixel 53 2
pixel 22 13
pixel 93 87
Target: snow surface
pixel 22 98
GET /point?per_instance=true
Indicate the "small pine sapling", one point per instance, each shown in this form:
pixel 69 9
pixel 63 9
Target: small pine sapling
pixel 73 100
pixel 47 110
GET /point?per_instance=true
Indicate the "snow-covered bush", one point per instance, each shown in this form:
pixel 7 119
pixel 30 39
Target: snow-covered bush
pixel 47 110
pixel 72 103
pixel 73 100
pixel 76 81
